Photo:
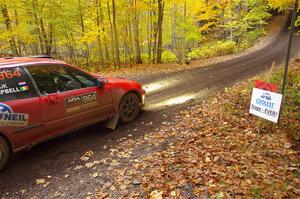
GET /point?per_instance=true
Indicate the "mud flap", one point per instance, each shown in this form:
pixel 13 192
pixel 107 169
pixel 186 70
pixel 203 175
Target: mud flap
pixel 112 124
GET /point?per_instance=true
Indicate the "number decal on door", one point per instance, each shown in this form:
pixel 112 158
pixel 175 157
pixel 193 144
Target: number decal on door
pixel 80 102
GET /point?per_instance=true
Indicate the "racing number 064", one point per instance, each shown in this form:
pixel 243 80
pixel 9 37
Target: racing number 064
pixel 9 74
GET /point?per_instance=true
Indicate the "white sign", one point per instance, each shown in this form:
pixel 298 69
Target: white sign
pixel 265 104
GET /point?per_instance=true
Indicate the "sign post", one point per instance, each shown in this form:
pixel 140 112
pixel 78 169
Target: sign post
pixel 289 47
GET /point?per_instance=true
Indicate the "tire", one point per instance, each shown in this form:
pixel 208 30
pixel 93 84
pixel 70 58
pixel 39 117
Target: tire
pixel 129 108
pixel 4 152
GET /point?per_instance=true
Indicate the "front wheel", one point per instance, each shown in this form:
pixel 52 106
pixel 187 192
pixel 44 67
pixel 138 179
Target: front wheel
pixel 129 108
pixel 4 152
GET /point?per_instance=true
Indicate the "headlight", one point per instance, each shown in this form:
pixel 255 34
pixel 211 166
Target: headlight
pixel 143 99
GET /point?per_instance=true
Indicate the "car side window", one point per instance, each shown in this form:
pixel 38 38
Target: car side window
pixel 84 78
pixel 56 78
pixel 15 84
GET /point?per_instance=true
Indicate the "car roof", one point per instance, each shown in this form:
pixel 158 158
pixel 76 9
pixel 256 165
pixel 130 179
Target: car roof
pixel 21 61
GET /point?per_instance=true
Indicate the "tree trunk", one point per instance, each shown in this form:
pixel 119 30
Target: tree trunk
pixel 100 50
pixel 71 55
pixel 47 40
pixel 183 54
pixel 37 29
pixel 19 46
pixel 150 31
pixel 50 39
pixel 86 51
pixel 155 33
pixel 174 39
pixel 107 56
pixel 99 32
pixel 135 22
pixel 8 25
pixel 130 38
pixel 159 30
pixel 125 40
pixel 112 33
pixel 116 43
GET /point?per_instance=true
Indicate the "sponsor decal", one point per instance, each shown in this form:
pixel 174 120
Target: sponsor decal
pixel 80 102
pixel 22 86
pixel 9 74
pixel 9 118
pixel 7 91
pixel 3 86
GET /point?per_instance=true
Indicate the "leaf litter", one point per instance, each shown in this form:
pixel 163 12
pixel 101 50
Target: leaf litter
pixel 214 149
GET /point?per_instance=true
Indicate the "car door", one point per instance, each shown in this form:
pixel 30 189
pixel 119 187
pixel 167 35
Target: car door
pixel 67 101
pixel 20 108
pixel 90 103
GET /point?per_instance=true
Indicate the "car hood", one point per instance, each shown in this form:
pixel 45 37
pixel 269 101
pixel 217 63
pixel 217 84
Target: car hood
pixel 119 80
pixel 116 79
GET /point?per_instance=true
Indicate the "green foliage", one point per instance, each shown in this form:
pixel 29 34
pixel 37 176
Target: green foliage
pixel 145 57
pixel 214 49
pixel 239 22
pixel 250 38
pixel 257 193
pixel 293 86
pixel 168 57
pixel 192 33
pixel 280 4
pixel 297 23
pixel 297 174
pixel 253 35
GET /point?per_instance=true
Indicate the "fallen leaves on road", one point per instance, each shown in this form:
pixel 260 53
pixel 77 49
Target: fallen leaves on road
pixel 40 181
pixel 92 164
pixel 95 175
pixel 87 155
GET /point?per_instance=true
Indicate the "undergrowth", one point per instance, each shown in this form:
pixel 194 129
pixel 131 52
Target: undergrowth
pixel 213 49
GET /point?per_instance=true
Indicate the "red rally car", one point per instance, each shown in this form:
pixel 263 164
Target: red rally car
pixel 41 98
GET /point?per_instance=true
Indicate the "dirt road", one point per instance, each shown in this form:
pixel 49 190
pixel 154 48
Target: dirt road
pixel 55 160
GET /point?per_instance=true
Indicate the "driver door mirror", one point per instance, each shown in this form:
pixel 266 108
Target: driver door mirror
pixel 100 83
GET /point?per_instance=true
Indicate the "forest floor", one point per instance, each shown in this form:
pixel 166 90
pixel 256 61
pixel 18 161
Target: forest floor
pixel 273 29
pixel 214 149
